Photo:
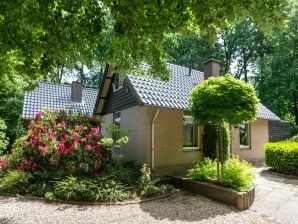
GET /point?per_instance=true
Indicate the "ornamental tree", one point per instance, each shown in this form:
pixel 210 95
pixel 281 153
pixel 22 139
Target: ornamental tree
pixel 223 100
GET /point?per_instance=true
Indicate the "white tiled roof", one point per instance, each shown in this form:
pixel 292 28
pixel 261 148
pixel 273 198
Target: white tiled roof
pixel 57 97
pixel 175 93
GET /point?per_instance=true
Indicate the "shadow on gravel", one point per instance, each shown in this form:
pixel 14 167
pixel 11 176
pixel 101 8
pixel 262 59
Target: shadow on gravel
pixel 185 206
pixel 5 221
pixel 271 176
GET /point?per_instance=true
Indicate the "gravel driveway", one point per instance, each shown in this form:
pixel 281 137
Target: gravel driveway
pixel 277 199
pixel 182 207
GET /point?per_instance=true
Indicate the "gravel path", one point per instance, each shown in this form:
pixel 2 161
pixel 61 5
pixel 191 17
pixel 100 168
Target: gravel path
pixel 182 207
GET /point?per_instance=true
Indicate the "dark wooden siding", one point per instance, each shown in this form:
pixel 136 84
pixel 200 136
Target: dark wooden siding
pixel 278 130
pixel 119 100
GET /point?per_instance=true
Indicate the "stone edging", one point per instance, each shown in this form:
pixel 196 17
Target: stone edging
pixel 128 202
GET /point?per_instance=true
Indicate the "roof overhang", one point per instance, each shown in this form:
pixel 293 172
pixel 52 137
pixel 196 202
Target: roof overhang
pixel 104 89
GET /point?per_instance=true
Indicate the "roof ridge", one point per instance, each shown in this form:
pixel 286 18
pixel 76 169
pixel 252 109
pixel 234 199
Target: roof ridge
pixel 171 63
pixel 64 84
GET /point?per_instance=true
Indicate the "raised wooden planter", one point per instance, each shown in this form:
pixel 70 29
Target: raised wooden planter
pixel 241 200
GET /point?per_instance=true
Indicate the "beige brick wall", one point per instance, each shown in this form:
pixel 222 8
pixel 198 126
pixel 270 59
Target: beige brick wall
pixel 134 120
pixel 259 136
pixel 169 154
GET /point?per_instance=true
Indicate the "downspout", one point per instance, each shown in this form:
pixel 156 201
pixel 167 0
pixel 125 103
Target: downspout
pixel 153 139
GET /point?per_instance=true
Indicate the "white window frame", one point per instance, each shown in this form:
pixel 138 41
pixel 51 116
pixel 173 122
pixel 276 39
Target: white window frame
pixel 192 148
pixel 116 146
pixel 248 137
pixel 120 83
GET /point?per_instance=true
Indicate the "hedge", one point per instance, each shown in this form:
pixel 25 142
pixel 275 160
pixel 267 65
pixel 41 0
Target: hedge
pixel 282 157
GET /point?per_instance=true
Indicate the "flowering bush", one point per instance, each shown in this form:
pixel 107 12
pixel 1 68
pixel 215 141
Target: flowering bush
pixel 3 165
pixel 69 143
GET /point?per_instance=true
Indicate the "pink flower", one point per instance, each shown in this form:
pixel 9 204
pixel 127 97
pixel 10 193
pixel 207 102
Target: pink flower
pixel 30 126
pixel 75 134
pixel 65 137
pixel 38 115
pixel 71 148
pixel 63 124
pixel 89 136
pixel 81 126
pixel 56 148
pixel 88 147
pixel 25 142
pixel 43 149
pixel 34 167
pixel 55 127
pixel 21 168
pixel 62 148
pixel 4 165
pixel 52 138
pixel 75 142
pixel 96 131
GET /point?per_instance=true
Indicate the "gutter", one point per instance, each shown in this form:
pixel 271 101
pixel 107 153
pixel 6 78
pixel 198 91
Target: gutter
pixel 153 139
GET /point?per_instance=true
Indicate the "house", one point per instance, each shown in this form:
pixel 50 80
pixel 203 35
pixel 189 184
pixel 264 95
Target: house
pixel 59 97
pixel 162 132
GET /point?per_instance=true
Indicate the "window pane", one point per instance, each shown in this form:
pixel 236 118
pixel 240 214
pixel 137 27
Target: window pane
pixel 118 82
pixel 117 122
pixel 190 132
pixel 244 134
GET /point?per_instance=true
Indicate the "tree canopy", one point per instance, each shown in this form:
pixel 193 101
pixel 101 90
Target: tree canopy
pixel 223 99
pixel 39 36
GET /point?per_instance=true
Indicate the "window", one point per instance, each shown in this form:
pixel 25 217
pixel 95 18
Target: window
pixel 191 134
pixel 116 129
pixel 244 132
pixel 118 82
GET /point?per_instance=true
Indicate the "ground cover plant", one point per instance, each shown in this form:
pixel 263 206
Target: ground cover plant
pixel 64 156
pixel 238 174
pixel 282 156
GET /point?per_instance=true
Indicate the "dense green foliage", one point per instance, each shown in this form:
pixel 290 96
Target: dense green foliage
pixel 282 156
pixel 148 186
pixel 41 37
pixel 204 170
pixel 209 138
pixel 15 182
pixel 238 174
pixel 101 188
pixel 276 81
pixel 223 99
pixel 3 138
pixel 11 102
pixel 294 138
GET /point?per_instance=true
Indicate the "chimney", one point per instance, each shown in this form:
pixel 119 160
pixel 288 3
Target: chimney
pixel 211 68
pixel 76 92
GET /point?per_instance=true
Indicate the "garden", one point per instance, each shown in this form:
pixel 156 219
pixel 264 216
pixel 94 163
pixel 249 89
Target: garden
pixel 65 157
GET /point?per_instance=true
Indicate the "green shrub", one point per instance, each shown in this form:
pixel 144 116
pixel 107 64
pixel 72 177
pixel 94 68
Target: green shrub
pixel 282 156
pixel 238 174
pixel 203 170
pixel 101 188
pixel 294 139
pixel 3 139
pixel 15 182
pixel 209 141
pixel 154 190
pixel 148 186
